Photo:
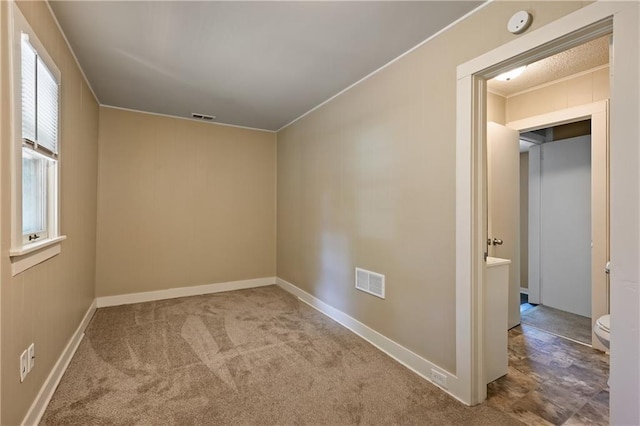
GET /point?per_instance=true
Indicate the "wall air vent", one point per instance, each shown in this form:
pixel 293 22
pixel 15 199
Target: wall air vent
pixel 203 116
pixel 370 282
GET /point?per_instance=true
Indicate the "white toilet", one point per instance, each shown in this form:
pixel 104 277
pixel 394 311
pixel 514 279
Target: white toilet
pixel 602 329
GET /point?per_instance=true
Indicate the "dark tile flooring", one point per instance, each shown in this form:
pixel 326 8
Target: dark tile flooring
pixel 552 380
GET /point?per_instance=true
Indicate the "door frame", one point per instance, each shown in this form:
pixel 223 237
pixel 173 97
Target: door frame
pixel 588 23
pixel 598 113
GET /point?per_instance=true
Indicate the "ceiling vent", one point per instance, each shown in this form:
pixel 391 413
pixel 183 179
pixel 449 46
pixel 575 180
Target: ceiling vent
pixel 202 116
pixel 370 282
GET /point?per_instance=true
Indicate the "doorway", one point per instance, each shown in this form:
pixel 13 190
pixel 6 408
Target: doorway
pixel 563 231
pixel 522 125
pixel 594 20
pixel 558 168
pixel 593 244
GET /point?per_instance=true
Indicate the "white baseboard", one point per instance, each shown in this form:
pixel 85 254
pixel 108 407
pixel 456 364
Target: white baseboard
pixel 524 290
pixel 172 293
pixel 404 356
pixel 49 386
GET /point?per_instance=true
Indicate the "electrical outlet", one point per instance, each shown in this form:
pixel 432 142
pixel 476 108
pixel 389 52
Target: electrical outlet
pixel 439 378
pixel 24 365
pixel 31 354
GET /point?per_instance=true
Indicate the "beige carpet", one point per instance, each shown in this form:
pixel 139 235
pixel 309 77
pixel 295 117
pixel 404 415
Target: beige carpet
pixel 255 356
pixel 558 322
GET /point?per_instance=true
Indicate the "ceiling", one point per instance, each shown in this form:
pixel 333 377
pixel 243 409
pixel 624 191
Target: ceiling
pixel 255 64
pixel 573 61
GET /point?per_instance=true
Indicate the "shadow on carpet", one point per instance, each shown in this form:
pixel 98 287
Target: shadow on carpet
pixel 256 356
pixel 560 323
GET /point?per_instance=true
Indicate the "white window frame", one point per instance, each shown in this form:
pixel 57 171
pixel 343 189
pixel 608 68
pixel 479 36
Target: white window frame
pixel 24 253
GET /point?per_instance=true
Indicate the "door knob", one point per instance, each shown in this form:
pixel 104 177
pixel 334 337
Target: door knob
pixel 497 242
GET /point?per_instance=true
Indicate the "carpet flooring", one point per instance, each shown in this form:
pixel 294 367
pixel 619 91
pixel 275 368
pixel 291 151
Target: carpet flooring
pixel 256 356
pixel 558 322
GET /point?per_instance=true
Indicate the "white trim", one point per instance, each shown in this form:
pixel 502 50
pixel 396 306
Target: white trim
pixel 465 338
pixel 404 356
pixel 533 226
pixel 49 386
pixel 557 118
pixel 31 256
pixel 524 290
pixel 371 74
pixel 188 119
pixel 172 293
pixel 64 36
pixel 30 248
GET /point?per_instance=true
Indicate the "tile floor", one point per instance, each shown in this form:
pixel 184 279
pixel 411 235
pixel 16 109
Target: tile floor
pixel 552 380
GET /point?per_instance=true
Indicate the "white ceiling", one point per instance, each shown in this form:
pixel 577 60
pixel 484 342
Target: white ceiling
pixel 573 61
pixel 256 64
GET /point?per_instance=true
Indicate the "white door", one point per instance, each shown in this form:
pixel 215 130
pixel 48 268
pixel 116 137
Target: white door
pixel 503 194
pixel 565 225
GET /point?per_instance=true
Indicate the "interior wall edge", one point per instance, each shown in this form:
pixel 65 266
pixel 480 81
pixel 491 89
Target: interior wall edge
pixel 391 62
pixel 64 36
pixel 173 293
pixel 49 386
pixel 414 362
pixel 206 195
pixel 186 118
pixel 45 305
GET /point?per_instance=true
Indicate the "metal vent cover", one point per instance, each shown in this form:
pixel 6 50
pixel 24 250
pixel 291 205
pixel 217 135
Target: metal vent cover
pixel 198 116
pixel 370 282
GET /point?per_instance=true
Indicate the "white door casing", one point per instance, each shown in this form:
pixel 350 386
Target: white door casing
pixel 590 22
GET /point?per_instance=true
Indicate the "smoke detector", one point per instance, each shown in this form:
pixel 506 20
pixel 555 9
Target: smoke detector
pixel 519 22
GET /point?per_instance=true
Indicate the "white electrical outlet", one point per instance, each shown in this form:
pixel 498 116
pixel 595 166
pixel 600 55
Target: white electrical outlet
pixel 31 354
pixel 24 365
pixel 439 378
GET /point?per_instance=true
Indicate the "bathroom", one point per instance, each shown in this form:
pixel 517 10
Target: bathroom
pixel 547 140
pixel 557 94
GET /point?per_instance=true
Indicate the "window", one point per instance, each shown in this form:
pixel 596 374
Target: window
pixel 39 95
pixel 35 110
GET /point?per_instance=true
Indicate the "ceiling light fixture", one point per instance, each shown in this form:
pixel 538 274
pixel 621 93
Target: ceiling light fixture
pixel 510 75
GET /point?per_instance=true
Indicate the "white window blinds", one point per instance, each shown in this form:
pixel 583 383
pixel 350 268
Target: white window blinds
pixel 28 90
pixel 39 101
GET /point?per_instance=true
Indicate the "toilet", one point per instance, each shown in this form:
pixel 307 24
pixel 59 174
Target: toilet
pixel 602 329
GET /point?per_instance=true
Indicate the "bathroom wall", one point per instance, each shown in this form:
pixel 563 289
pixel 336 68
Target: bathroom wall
pixel 368 180
pixel 46 303
pixel 496 108
pixel 524 220
pixel 582 89
pixel 182 203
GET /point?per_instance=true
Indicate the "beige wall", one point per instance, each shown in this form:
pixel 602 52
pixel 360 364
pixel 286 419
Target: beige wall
pixel 580 90
pixel 524 219
pixel 368 180
pixel 46 303
pixel 182 203
pixel 496 108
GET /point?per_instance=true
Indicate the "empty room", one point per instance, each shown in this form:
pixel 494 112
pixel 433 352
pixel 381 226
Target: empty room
pixel 275 212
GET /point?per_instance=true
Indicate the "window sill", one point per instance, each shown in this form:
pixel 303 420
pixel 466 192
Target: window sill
pixel 26 257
